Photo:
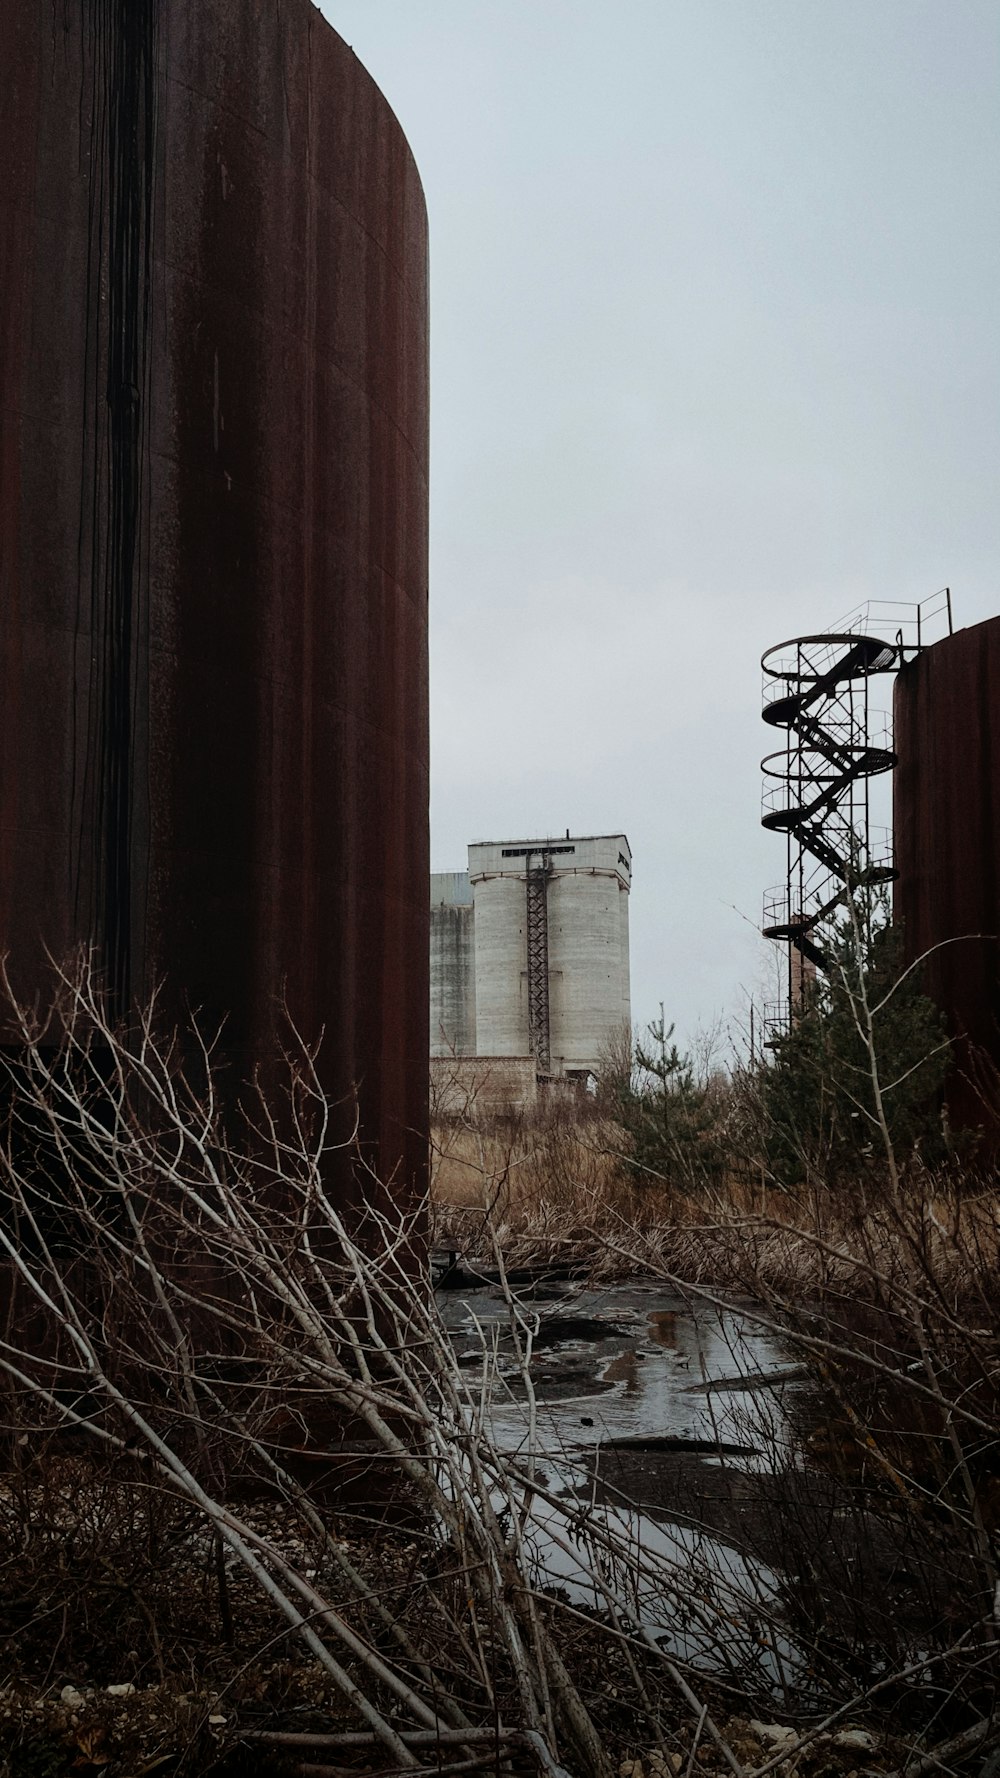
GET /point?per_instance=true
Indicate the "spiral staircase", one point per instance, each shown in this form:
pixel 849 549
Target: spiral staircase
pixel 816 787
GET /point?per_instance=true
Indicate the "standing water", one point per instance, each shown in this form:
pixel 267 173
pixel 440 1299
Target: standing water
pixel 650 1415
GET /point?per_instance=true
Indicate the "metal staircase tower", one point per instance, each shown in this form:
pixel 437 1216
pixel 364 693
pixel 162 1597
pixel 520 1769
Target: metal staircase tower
pixel 816 788
pixel 537 881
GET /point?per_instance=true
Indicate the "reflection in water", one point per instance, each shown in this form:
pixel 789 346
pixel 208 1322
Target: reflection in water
pixel 623 1369
pixel 697 1598
pixel 693 1593
pixel 663 1326
pixel 647 1375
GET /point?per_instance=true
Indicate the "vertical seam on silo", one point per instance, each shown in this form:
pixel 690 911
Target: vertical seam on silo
pixel 122 44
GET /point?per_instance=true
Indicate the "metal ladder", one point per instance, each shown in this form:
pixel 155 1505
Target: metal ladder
pixel 537 888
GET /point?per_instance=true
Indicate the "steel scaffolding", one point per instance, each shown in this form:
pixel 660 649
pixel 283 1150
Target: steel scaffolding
pixel 817 787
pixel 537 880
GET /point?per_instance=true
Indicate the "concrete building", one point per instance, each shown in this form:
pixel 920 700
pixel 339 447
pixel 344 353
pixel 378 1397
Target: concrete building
pixel 453 965
pixel 536 935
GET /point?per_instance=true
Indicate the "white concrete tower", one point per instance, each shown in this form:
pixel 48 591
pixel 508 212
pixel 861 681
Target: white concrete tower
pixel 552 963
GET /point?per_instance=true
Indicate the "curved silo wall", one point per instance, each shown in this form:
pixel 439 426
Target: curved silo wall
pixel 453 965
pixel 501 960
pixel 947 839
pixel 625 975
pixel 213 497
pixel 588 971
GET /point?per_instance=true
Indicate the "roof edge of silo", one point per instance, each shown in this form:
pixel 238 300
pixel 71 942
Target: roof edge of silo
pixel 390 108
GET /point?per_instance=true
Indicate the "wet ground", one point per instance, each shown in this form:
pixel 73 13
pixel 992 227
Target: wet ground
pixel 635 1370
pixel 684 1426
pixel 644 1415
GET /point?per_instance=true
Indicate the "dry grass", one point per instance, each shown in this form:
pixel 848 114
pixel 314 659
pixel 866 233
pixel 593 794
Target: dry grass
pixel 558 1191
pixel 166 1487
pixel 543 1192
pixel 517 1164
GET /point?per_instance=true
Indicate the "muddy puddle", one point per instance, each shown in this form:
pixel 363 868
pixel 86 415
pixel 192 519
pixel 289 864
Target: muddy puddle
pixel 671 1425
pixel 634 1370
pixel 676 1483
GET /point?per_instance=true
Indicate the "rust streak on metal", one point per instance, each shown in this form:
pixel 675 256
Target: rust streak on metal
pixel 947 840
pixel 277 769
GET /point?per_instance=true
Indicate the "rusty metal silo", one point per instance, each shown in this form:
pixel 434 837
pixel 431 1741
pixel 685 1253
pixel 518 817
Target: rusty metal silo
pixel 947 839
pixel 213 556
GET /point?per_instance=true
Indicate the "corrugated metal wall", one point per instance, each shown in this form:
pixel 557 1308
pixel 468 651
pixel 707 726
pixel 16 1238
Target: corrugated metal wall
pixel 947 837
pixel 213 496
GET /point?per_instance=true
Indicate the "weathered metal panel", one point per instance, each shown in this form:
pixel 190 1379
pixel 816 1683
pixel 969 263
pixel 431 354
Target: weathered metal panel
pixel 947 836
pixel 213 487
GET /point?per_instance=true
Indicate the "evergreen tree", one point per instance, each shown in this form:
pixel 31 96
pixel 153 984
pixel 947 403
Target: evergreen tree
pixel 666 1114
pixel 818 1094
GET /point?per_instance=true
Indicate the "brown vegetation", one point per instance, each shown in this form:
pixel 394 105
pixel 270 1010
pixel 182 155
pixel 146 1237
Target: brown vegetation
pixel 245 1472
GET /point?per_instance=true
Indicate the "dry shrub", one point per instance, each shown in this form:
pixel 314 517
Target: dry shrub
pixel 548 1190
pixel 238 1328
pixel 205 1354
pixel 515 1161
pixel 886 1291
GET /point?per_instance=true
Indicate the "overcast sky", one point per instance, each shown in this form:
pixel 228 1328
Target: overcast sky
pixel 714 358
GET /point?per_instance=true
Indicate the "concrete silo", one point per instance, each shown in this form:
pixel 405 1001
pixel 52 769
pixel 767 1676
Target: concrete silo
pixel 213 579
pixel 453 965
pixel 551 949
pixel 947 848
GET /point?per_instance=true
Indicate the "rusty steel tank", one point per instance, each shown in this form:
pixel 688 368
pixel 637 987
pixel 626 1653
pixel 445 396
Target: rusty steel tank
pixel 947 841
pixel 213 535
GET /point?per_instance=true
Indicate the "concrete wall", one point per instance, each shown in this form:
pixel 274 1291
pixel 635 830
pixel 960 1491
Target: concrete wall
pixel 213 536
pixel 625 1015
pixel 588 945
pixel 453 965
pixel 501 963
pixel 475 1088
pixel 588 975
